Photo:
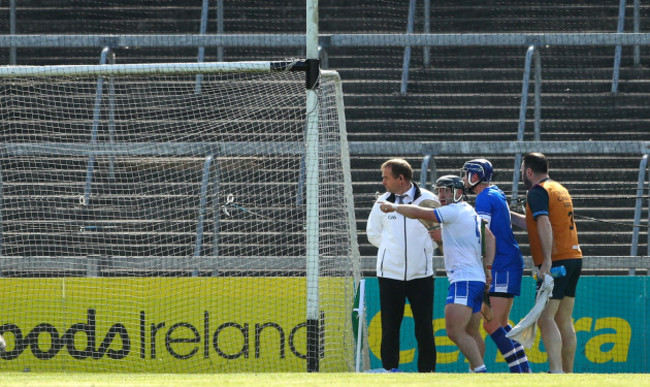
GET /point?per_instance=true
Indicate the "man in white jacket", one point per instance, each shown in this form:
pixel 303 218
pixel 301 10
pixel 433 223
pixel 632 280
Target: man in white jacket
pixel 404 266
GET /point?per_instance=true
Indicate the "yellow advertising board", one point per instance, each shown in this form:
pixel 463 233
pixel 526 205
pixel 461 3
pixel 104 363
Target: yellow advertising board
pixel 163 324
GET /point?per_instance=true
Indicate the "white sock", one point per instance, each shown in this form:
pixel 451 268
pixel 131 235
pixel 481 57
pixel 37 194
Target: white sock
pixel 480 368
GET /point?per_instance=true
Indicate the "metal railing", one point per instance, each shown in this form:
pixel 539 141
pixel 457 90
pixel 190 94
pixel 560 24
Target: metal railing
pixel 620 28
pixel 429 150
pixel 532 41
pixel 427 28
pixel 410 22
pixel 407 50
pixel 107 56
pixel 531 54
pixel 638 207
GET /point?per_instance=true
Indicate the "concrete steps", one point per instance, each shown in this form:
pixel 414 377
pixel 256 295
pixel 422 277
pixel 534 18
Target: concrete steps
pixel 467 94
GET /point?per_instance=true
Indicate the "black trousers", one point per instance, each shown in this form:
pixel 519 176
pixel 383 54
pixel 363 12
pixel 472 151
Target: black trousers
pixel 392 298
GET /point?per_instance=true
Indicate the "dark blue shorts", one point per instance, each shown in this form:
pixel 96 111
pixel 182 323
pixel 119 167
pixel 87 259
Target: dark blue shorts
pixel 469 293
pixel 506 283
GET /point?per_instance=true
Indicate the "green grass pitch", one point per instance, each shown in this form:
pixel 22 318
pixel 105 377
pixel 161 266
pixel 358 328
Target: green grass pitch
pixel 321 379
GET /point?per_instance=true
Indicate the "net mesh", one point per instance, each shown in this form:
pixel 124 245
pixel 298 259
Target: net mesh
pixel 185 203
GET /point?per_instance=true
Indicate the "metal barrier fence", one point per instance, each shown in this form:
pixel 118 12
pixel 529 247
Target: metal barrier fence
pixel 532 43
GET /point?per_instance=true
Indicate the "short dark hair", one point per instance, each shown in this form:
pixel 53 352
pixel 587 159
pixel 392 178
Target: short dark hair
pixel 537 162
pixel 399 167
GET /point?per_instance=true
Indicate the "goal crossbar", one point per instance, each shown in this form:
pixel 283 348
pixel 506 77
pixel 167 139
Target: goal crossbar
pixel 153 68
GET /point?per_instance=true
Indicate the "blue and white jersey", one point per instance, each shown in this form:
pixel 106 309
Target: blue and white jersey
pixel 491 205
pixel 461 242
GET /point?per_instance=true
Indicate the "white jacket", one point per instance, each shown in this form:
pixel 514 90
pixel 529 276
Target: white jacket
pixel 405 247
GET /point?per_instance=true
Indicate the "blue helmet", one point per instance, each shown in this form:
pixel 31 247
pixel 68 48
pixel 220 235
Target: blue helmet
pixel 480 168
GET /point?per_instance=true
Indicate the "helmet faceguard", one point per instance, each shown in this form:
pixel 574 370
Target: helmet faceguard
pixel 453 182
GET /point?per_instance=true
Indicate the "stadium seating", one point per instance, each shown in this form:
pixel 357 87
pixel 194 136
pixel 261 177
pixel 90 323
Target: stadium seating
pixel 466 94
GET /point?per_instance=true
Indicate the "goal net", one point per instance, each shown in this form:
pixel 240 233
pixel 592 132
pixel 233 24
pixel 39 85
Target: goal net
pixel 153 218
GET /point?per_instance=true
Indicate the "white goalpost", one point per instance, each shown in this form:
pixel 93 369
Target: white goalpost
pixel 150 223
pixel 312 172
